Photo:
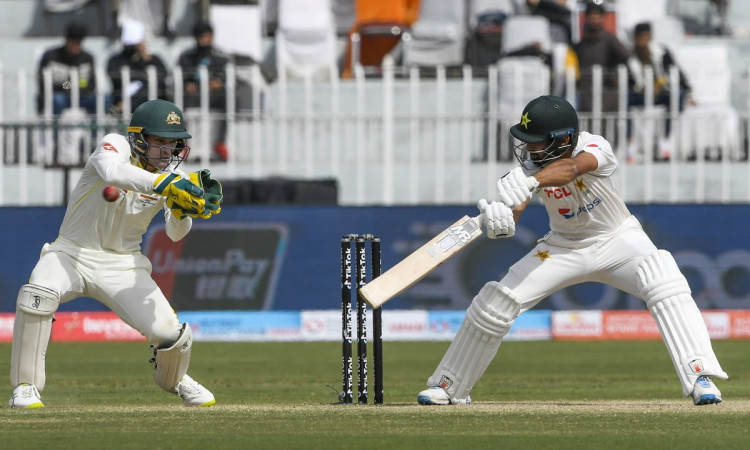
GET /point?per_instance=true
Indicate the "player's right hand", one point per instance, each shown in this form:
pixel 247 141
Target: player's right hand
pixel 514 187
pixel 497 219
pixel 180 191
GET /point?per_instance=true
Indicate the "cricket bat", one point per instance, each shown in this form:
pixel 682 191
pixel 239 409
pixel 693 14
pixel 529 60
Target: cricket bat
pixel 421 262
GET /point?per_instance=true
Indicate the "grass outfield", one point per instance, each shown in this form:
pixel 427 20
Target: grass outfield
pixel 551 395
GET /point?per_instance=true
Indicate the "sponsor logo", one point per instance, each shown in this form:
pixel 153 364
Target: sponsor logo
pixel 566 212
pixel 37 301
pixel 456 236
pixel 696 366
pixel 587 208
pixel 558 193
pixel 445 382
pixel 147 200
pixel 109 147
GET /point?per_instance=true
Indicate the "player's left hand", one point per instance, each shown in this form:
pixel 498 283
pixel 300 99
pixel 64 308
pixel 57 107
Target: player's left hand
pixel 213 194
pixel 515 188
pixel 497 219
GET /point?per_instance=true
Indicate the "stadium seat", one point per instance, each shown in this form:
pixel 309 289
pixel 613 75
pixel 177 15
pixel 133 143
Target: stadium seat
pixel 306 40
pixel 668 31
pixel 438 37
pixel 520 80
pixel 522 31
pixel 379 25
pixel 237 29
pixel 712 124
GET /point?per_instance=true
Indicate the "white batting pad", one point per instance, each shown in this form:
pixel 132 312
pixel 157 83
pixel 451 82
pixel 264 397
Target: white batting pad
pixel 667 295
pixel 31 331
pixel 172 363
pixel 487 321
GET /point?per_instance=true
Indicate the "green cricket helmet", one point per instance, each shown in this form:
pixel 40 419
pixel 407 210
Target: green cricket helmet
pixel 545 119
pixel 162 119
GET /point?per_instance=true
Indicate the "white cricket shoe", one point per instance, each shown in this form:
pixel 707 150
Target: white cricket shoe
pixel 193 393
pixel 705 392
pixel 26 396
pixel 439 396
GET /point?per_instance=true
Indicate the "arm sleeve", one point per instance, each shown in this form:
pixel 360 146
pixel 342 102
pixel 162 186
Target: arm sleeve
pixel 602 150
pixel 111 159
pixel 176 228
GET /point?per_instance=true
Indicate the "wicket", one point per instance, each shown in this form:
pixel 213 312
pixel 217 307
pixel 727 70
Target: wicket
pixel 360 255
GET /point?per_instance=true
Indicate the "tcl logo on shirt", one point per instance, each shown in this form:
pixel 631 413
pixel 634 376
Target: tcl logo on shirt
pixel 557 192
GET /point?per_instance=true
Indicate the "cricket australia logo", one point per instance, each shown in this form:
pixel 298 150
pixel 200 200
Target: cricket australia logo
pixel 173 118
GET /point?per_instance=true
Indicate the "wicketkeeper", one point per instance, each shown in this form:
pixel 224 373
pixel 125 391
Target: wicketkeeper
pixel 97 253
pixel 593 237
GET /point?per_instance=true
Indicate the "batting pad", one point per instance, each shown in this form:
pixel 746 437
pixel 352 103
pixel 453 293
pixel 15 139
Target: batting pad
pixel 477 341
pixel 172 363
pixel 667 295
pixel 31 331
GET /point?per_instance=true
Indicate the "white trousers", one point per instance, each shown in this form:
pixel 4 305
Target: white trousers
pixel 122 282
pixel 550 267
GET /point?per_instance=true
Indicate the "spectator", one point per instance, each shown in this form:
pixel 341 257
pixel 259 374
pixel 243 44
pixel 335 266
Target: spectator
pixel 598 47
pixel 205 55
pixel 483 47
pixel 60 60
pixel 136 56
pixel 646 52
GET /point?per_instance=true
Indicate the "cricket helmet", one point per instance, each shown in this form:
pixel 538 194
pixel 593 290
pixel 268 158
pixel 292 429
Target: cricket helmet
pixel 162 119
pixel 545 119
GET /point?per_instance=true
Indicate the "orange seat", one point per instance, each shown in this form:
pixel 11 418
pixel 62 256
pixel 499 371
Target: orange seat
pixel 380 24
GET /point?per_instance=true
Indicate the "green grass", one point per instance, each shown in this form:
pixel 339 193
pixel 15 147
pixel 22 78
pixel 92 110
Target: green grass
pixel 556 395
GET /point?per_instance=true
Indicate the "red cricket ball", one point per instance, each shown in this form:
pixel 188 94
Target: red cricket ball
pixel 111 193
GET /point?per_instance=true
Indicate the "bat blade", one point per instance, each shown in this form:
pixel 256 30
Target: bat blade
pixel 421 262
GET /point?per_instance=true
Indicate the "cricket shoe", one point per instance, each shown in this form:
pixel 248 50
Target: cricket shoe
pixel 705 392
pixel 439 396
pixel 26 396
pixel 193 393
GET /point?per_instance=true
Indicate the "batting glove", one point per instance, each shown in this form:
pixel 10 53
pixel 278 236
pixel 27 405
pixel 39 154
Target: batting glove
pixel 497 219
pixel 515 188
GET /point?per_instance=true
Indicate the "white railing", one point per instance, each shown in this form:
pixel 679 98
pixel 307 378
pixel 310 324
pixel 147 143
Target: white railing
pixel 399 139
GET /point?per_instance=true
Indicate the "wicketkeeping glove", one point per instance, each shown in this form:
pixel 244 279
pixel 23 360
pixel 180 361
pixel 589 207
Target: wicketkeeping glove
pixel 497 219
pixel 515 188
pixel 212 195
pixel 182 192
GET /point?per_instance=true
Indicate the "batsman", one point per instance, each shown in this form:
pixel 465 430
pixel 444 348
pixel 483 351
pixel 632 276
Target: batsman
pixel 98 251
pixel 592 237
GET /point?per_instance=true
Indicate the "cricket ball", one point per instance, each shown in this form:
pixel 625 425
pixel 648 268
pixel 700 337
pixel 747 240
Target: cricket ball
pixel 111 193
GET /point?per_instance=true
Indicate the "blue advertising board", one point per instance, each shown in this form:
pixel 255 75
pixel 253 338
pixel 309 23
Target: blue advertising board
pixel 287 258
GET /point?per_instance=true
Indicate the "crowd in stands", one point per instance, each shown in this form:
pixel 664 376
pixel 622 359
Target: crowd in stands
pixel 478 35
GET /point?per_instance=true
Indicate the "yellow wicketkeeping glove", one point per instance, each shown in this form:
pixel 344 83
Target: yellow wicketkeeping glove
pixel 181 192
pixel 212 195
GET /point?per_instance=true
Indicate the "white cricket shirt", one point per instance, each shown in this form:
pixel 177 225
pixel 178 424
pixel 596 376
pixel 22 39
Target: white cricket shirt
pixel 96 224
